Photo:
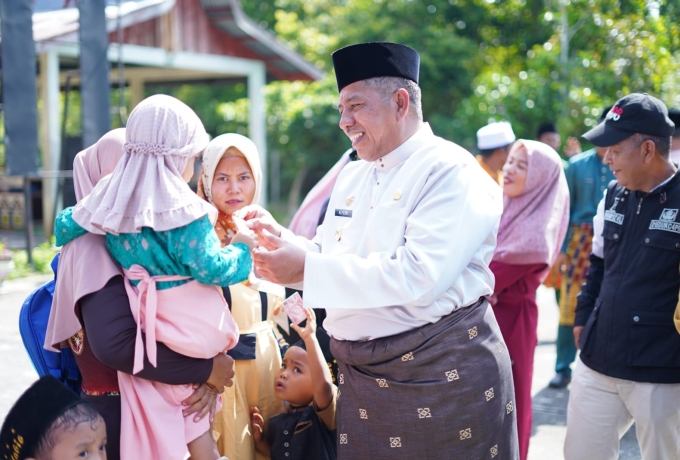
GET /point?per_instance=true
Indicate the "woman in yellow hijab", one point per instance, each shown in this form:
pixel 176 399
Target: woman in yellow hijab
pixel 230 179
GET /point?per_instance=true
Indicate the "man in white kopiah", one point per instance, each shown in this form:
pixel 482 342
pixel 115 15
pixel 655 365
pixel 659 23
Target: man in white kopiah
pixel 494 141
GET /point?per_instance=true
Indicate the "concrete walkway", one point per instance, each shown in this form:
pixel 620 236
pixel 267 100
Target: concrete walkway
pixel 550 406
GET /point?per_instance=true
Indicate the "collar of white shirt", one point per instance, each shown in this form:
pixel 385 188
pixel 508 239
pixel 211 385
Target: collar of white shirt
pixel 401 153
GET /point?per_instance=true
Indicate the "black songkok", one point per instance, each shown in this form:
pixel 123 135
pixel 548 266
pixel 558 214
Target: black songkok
pixel 376 59
pixel 32 416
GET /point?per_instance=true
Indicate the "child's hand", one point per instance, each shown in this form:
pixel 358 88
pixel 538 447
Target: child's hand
pixel 248 238
pixel 310 327
pixel 256 424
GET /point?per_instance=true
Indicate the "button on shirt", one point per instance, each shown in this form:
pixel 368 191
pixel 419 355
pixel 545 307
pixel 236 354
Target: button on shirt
pixel 304 433
pixel 415 247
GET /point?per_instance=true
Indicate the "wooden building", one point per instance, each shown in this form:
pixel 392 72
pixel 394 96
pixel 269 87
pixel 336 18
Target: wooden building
pixel 160 41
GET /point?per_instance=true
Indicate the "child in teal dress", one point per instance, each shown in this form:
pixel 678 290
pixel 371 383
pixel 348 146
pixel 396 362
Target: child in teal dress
pixel 162 234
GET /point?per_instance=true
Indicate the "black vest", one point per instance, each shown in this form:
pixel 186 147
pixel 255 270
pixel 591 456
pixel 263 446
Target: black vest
pixel 630 333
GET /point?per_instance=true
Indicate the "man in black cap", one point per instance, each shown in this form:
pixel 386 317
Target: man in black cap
pixel 630 351
pixel 401 265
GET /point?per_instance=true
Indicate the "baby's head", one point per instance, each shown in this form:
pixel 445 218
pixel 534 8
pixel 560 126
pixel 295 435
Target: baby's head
pixel 163 126
pixel 50 422
pixel 294 382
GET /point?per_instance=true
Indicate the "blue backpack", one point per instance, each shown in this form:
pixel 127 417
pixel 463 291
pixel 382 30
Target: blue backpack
pixel 33 326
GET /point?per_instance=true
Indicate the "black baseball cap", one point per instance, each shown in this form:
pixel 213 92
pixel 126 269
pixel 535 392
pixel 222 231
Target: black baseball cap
pixel 635 113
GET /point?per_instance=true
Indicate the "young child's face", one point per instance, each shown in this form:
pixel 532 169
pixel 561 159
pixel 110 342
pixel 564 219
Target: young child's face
pixel 85 440
pixel 294 383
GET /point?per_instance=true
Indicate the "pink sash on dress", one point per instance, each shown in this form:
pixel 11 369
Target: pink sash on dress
pixel 192 319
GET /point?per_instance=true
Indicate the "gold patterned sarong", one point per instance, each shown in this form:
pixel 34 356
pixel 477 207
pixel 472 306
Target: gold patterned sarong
pixel 578 250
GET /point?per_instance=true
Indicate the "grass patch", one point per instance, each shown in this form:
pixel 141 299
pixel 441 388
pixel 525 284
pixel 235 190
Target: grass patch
pixel 42 258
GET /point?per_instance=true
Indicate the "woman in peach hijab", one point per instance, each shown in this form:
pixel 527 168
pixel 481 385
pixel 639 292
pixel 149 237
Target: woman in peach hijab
pixel 231 179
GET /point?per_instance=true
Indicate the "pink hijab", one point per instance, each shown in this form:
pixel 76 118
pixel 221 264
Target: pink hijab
pixel 534 224
pixel 306 219
pixel 85 265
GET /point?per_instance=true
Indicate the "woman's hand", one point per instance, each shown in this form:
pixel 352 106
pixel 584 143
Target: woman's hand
pixel 257 219
pixel 222 373
pixel 201 402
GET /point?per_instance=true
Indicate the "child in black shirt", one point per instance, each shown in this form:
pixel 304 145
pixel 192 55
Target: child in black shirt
pixel 307 429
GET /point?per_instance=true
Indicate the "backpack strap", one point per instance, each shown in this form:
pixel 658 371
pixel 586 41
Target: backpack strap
pixel 69 369
pixel 265 304
pixel 227 295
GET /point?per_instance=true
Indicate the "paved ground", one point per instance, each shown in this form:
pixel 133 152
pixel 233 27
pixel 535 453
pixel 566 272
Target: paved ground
pixel 550 406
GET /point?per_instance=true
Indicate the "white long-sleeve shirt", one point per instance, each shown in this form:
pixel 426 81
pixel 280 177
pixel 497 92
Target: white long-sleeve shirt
pixel 406 240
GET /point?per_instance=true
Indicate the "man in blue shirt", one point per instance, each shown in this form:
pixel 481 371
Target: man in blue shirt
pixel 587 178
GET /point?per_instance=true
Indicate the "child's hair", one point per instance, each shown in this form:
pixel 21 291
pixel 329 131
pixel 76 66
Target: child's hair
pixel 83 412
pixel 325 344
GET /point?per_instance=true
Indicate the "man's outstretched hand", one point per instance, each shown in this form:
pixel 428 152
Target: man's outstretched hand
pixel 278 260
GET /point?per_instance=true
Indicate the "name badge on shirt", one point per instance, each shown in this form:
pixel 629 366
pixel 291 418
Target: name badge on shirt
pixel 343 213
pixel 611 215
pixel 666 221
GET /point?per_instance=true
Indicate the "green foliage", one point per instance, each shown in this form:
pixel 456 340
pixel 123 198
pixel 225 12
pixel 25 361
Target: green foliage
pixel 205 100
pixel 302 128
pixel 525 61
pixel 42 258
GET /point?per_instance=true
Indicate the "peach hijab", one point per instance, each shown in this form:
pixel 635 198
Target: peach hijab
pixel 85 265
pixel 216 150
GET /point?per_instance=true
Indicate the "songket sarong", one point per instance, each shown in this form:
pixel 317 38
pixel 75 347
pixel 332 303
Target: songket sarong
pixel 442 391
pixel 578 250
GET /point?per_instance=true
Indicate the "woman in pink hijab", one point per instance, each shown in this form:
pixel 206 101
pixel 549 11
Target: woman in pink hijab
pixel 90 296
pixel 532 228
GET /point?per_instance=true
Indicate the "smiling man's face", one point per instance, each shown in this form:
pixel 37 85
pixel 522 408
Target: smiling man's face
pixel 369 119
